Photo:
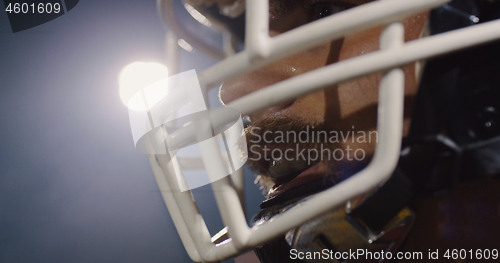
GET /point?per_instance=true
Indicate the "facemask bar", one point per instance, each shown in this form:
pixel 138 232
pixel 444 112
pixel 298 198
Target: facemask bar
pixel 166 11
pixel 261 50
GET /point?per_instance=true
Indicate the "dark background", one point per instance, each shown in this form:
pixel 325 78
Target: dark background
pixel 72 186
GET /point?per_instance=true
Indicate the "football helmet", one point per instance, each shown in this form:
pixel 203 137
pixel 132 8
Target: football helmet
pixel 367 210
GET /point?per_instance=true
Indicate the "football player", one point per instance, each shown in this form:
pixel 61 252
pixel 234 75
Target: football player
pixel 444 193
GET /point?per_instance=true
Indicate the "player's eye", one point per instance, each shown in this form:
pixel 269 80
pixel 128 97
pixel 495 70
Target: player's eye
pixel 318 9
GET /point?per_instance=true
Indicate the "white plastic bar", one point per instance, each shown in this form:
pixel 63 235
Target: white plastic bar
pixel 333 74
pixel 225 195
pixel 239 186
pixel 257 28
pixel 227 42
pixel 174 211
pixel 166 12
pixel 346 22
pixel 294 41
pixel 392 36
pixel 389 122
pixel 172 53
pixel 392 10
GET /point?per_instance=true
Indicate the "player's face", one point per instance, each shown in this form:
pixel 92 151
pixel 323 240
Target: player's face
pixel 348 109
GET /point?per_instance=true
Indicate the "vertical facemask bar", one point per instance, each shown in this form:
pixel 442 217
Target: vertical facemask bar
pixel 181 205
pixel 257 28
pixel 173 208
pixel 227 198
pixel 228 41
pixel 390 119
pixel 189 211
pixel 239 186
pixel 237 177
pixel 225 195
pixel 387 151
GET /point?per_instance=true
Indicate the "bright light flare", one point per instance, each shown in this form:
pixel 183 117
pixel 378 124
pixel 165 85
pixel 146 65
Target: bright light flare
pixel 151 78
